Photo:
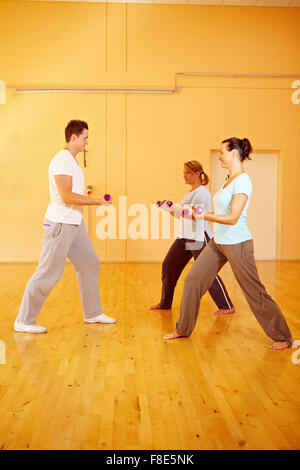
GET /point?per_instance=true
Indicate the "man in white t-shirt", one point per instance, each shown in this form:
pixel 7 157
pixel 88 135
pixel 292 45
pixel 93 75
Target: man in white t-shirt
pixel 65 237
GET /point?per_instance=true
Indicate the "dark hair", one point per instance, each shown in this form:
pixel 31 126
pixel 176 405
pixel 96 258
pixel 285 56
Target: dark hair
pixel 243 146
pixel 75 127
pixel 195 166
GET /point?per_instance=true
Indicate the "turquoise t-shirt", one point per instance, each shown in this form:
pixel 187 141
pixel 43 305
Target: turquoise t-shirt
pixel 231 234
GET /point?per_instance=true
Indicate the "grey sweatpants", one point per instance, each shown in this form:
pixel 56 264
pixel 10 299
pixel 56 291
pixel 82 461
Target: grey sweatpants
pixel 242 262
pixel 62 241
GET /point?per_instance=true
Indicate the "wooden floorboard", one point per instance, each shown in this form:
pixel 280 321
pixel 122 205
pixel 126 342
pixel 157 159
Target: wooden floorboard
pixel 121 386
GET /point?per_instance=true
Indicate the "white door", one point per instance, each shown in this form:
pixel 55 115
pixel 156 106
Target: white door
pixel 262 212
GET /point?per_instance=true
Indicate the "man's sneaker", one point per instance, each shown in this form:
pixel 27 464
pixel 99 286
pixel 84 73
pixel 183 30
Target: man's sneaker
pixel 22 328
pixel 100 319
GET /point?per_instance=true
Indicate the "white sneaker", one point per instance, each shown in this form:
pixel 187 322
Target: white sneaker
pixel 22 328
pixel 100 319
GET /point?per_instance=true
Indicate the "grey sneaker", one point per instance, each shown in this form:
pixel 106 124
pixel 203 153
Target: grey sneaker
pixel 22 328
pixel 100 319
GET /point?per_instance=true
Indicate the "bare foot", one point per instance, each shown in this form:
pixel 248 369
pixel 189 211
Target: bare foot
pixel 173 335
pixel 278 345
pixel 225 312
pixel 158 307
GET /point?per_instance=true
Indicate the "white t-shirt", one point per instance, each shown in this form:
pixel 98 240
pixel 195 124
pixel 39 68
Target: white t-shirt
pixel 194 230
pixel 64 164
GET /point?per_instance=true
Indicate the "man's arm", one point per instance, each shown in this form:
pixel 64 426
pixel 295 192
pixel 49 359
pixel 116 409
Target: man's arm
pixel 64 186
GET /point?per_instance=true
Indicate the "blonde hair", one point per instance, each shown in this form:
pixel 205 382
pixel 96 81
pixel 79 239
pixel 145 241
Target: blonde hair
pixel 195 166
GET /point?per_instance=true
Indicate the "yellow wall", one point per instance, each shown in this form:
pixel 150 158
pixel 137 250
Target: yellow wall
pixel 138 143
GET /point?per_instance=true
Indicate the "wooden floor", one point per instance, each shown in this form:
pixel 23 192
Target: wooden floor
pixel 121 386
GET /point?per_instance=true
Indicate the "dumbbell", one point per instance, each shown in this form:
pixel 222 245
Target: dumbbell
pixel 199 210
pixel 160 203
pixel 106 197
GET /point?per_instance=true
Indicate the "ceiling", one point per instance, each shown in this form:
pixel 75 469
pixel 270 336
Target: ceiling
pixel 256 3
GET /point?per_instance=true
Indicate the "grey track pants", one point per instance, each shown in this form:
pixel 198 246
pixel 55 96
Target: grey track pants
pixel 62 241
pixel 242 262
pixel 176 259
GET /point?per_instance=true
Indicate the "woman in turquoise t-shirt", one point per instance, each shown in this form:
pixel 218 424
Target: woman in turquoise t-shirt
pixel 232 242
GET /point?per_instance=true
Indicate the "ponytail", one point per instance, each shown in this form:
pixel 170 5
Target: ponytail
pixel 195 166
pixel 243 146
pixel 204 178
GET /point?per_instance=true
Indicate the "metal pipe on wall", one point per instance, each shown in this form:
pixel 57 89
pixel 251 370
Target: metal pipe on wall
pixel 92 90
pixel 251 75
pixel 150 90
pixel 233 75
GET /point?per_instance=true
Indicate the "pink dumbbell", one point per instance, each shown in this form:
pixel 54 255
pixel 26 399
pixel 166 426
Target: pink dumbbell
pixel 199 210
pixel 107 197
pixel 160 203
pixel 186 211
